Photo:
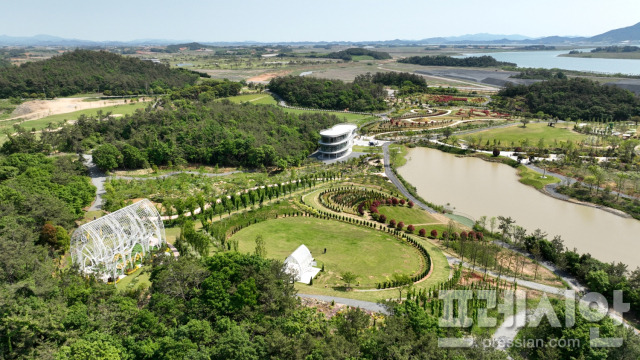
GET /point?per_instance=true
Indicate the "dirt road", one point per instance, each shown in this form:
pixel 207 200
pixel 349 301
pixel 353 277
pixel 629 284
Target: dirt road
pixel 36 109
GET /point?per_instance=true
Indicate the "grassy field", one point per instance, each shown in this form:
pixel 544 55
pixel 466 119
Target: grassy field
pixel 535 179
pixel 368 149
pixel 58 119
pixel 532 133
pixel 408 215
pixel 269 100
pixel 253 98
pixel 372 255
pixel 125 109
pixel 139 279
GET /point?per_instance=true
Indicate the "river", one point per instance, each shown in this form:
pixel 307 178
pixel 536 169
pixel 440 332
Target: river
pixel 550 59
pixel 477 187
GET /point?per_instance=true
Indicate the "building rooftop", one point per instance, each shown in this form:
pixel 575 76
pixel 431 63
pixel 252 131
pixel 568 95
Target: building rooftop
pixel 338 130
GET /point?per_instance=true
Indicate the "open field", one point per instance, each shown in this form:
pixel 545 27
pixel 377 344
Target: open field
pixel 407 215
pixel 532 133
pixel 372 255
pixel 59 119
pixel 261 98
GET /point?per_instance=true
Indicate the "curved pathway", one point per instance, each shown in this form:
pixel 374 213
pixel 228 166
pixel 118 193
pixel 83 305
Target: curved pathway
pixel 394 179
pixel 366 305
pixel 98 177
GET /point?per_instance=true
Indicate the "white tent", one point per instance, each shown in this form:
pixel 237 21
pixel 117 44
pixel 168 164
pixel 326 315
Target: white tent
pixel 300 264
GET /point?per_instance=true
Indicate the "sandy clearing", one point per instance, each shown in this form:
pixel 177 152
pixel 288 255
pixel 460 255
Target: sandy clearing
pixel 36 109
pixel 268 76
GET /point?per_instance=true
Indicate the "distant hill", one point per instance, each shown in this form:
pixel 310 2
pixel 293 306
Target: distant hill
pixel 81 71
pixel 188 46
pixel 348 54
pixel 629 33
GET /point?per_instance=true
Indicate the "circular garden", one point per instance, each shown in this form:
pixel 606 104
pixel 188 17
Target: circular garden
pixel 374 256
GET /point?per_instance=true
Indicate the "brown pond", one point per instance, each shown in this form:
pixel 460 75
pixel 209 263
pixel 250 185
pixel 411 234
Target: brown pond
pixel 477 187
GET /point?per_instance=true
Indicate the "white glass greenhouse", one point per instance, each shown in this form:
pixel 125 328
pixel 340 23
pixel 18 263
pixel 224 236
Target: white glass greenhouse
pixel 106 246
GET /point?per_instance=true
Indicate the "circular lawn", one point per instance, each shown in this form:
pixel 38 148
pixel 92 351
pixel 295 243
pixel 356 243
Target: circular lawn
pixel 372 255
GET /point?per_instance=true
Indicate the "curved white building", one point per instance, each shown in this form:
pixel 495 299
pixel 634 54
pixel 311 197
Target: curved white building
pixel 337 141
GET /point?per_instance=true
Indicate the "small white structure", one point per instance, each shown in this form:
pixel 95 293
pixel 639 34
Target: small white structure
pixel 337 141
pixel 107 245
pixel 300 264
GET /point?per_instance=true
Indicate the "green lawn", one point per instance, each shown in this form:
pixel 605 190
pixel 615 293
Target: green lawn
pixel 533 133
pixel 42 123
pixel 368 149
pixel 407 215
pixel 124 109
pixel 352 118
pixel 253 98
pixel 535 179
pixel 269 100
pixel 139 279
pixel 372 255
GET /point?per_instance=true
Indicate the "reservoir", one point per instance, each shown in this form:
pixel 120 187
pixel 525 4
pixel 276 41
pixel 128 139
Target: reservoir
pixel 551 59
pixel 477 187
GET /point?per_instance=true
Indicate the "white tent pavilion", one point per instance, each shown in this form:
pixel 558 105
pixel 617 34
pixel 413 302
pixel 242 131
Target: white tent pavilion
pixel 300 264
pixel 105 246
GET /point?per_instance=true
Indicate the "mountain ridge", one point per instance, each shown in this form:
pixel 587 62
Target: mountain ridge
pixel 628 34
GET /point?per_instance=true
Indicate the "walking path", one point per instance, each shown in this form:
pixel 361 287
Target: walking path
pixel 97 179
pixel 394 179
pixel 366 305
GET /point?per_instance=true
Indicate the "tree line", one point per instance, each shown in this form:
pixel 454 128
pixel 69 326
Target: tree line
pixel 406 83
pixel 306 91
pixel 576 98
pixel 443 60
pixel 348 54
pixel 217 132
pixel 82 71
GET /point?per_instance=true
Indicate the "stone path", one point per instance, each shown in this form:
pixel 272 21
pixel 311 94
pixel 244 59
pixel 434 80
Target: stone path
pixel 366 305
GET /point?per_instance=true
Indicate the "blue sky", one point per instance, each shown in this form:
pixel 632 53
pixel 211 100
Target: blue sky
pixel 302 20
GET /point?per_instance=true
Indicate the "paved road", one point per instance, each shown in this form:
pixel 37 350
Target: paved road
pixel 569 181
pixel 394 179
pixel 97 179
pixel 528 284
pixel 366 305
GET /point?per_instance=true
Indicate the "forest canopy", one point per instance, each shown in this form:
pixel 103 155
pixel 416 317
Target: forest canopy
pixel 218 132
pixel 347 55
pixel 576 98
pixel 306 91
pixel 81 71
pixel 442 60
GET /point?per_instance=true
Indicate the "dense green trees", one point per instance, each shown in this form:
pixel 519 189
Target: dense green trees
pixel 348 54
pixel 217 132
pixel 86 71
pixel 208 90
pixel 576 98
pixel 442 60
pixel 306 91
pixel 562 342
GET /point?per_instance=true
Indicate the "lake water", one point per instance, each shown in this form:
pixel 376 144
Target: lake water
pixel 477 187
pixel 551 59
